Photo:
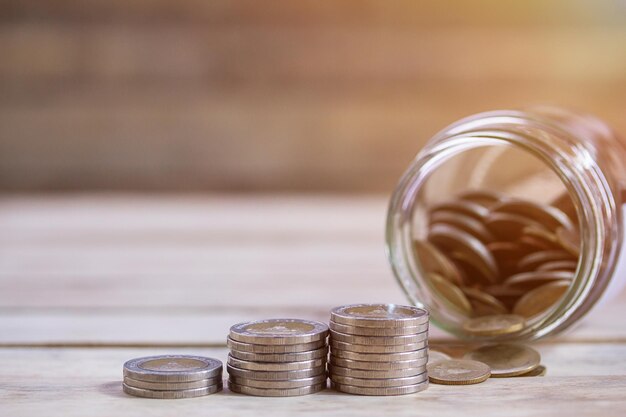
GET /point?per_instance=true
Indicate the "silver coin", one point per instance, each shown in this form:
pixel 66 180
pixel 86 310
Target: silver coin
pixel 172 386
pixel 274 349
pixel 279 331
pixel 276 392
pixel 172 368
pixel 378 340
pixel 351 347
pixel 275 366
pixel 280 357
pixel 171 395
pixel 409 389
pixel 377 366
pixel 367 374
pixel 381 357
pixel 379 383
pixel 379 315
pixel 378 331
pixel 275 375
pixel 294 383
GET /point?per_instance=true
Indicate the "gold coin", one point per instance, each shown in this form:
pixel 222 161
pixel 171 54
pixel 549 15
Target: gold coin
pixel 432 260
pixel 275 392
pixel 379 315
pixel 384 391
pixel 275 375
pixel 465 223
pixel 569 266
pixel 548 238
pixel 379 383
pixel 458 372
pixel 378 340
pixel 473 269
pixel 507 226
pixel 483 303
pixel 275 366
pixel 548 216
pixel 280 357
pixel 540 299
pixel 381 357
pixel 533 244
pixel 274 349
pixel 292 383
pixel 171 395
pixel 351 347
pixel 538 371
pixel 533 260
pixel 172 386
pixel 436 356
pixel 377 366
pixel 451 293
pixel 466 207
pixel 569 239
pixel 506 359
pixel 452 239
pixel 530 280
pixel 378 331
pixel 279 332
pixel 372 374
pixel 483 197
pixel 495 325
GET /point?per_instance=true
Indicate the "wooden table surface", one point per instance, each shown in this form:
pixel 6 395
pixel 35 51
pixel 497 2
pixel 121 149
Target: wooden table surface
pixel 89 281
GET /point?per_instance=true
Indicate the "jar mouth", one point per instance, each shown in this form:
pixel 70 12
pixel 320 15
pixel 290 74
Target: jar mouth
pixel 576 169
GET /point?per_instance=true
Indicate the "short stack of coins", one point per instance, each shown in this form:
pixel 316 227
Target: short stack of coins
pixel 277 357
pixel 172 376
pixel 378 349
pixel 487 254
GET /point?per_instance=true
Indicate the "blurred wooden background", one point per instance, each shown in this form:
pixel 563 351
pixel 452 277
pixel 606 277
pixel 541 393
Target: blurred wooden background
pixel 279 95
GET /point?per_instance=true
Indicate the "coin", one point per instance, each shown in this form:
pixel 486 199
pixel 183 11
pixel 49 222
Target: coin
pixel 465 207
pixel 378 331
pixel 172 368
pixel 381 357
pixel 570 266
pixel 483 197
pixel 377 366
pixel 530 280
pixel 293 383
pixel 432 260
pixel 280 357
pixel 450 238
pixel 275 366
pixel 408 389
pixel 538 371
pixel 569 239
pixel 507 226
pixel 274 349
pixel 548 216
pixel 334 344
pixel 472 268
pixel 548 238
pixel 379 340
pixel 533 260
pixel 369 374
pixel 540 299
pixel 506 295
pixel 483 303
pixel 275 375
pixel 172 386
pixel 279 331
pixel 379 315
pixel 506 359
pixel 465 223
pixel 275 392
pixel 436 356
pixel 379 383
pixel 495 325
pixel 458 372
pixel 171 395
pixel 451 293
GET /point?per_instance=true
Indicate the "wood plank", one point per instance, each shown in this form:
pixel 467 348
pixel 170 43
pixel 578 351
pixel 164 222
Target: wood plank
pixel 58 382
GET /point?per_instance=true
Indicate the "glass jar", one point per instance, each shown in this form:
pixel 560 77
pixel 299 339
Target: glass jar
pixel 494 177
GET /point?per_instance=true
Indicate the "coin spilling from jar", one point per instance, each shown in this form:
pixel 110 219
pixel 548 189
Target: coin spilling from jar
pixel 499 261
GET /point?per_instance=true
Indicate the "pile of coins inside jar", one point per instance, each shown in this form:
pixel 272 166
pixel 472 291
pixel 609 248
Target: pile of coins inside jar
pixel 486 254
pixel 378 349
pixel 277 357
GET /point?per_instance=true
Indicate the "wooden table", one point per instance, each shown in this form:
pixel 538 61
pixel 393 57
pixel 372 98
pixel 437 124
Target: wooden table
pixel 89 281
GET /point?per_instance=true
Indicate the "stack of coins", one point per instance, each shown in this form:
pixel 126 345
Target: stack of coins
pixel 488 254
pixel 277 357
pixel 172 376
pixel 378 349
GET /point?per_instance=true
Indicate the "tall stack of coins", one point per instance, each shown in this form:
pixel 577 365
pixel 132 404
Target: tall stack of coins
pixel 172 376
pixel 378 349
pixel 277 357
pixel 487 255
